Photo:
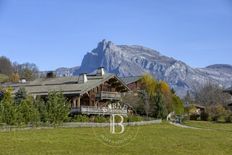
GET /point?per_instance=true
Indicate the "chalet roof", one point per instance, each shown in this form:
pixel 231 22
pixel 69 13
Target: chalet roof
pixel 228 90
pixel 195 105
pixel 67 85
pixel 130 79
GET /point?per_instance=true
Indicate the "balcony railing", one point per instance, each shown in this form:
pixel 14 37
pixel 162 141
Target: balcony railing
pixel 109 95
pixel 102 110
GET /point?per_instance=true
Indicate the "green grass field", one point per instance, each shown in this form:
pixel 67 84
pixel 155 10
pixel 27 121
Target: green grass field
pixel 153 139
pixel 3 78
pixel 210 125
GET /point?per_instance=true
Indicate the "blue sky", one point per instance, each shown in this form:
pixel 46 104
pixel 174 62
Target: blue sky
pixel 55 33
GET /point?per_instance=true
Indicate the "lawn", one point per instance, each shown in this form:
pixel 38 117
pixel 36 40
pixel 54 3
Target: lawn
pixel 153 139
pixel 210 125
pixel 3 78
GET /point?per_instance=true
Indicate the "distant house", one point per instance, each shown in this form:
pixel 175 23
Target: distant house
pixel 98 93
pixel 199 108
pixel 133 82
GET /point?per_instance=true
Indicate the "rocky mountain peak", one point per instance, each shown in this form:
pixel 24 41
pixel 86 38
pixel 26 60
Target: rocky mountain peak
pixel 134 60
pixel 103 46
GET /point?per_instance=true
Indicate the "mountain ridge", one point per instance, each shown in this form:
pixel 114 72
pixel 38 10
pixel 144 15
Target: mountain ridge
pixel 135 60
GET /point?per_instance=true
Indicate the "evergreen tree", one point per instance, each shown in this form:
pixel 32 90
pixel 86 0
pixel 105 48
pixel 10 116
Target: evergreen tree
pixel 27 112
pixel 20 95
pixel 7 108
pixel 178 105
pixel 57 108
pixel 42 109
pixel 159 106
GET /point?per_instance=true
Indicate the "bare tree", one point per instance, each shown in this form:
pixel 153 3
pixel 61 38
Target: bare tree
pixel 29 71
pixel 5 66
pixel 211 94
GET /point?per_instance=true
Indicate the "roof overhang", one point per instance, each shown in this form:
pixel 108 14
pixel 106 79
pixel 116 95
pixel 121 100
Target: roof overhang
pixel 104 80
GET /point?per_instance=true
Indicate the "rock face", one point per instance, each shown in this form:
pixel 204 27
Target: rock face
pixel 62 71
pixel 136 60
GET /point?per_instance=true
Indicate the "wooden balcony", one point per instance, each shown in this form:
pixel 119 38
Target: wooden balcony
pixel 105 95
pixel 101 110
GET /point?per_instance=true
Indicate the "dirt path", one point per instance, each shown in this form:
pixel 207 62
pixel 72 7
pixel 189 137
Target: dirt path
pixel 185 126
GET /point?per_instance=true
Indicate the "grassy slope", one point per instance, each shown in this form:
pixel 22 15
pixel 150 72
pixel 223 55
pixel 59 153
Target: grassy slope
pixel 3 78
pixel 155 139
pixel 210 125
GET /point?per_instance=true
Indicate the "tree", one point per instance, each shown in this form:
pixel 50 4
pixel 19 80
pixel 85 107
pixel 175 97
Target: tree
pixel 164 89
pixel 14 77
pixel 20 95
pixel 155 95
pixel 146 103
pixel 42 109
pixel 27 112
pixel 57 108
pixel 211 95
pixel 178 105
pixel 7 108
pixel 156 98
pixel 188 98
pixel 5 66
pixel 159 106
pixel 149 84
pixel 217 112
pixel 28 71
pixel 134 100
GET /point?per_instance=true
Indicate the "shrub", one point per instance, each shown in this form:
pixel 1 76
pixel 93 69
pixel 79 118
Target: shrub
pixel 194 117
pixel 186 117
pixel 81 118
pixel 134 119
pixel 228 117
pixel 204 116
pixel 100 119
pixel 68 119
pixel 218 113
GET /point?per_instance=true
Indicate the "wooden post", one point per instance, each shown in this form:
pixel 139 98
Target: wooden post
pixel 34 96
pixel 78 101
pixel 74 100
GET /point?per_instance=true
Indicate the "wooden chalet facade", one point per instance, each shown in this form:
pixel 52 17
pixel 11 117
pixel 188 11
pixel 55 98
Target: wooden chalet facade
pixel 88 94
pixel 133 82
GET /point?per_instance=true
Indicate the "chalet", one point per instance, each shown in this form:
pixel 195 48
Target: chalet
pixel 133 82
pixel 199 108
pixel 98 93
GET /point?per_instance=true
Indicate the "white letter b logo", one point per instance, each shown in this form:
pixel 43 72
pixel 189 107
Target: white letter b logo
pixel 112 124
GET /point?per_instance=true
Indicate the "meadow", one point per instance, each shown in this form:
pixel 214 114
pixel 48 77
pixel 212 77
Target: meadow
pixel 158 139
